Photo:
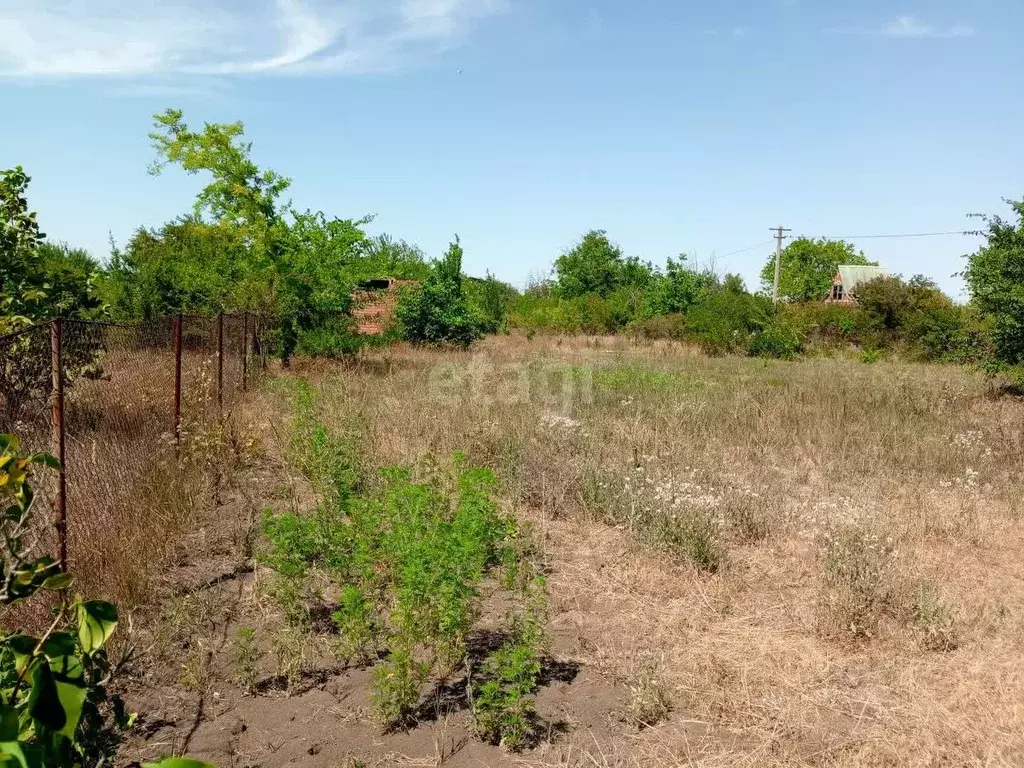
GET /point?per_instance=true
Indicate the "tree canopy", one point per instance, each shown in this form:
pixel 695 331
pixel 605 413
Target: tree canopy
pixel 995 277
pixel 809 267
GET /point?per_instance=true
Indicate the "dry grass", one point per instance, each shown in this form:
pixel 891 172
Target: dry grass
pixel 863 521
pixel 131 492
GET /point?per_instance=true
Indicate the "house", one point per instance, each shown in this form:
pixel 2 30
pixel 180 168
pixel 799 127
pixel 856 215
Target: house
pixel 374 302
pixel 848 279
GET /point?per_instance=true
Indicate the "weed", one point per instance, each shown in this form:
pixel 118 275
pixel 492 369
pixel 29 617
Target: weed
pixel 289 594
pixel 861 580
pixel 289 648
pixel 935 619
pixel 396 686
pixel 503 706
pixel 355 622
pixel 649 704
pixel 195 671
pixel 409 558
pixel 247 657
pixel 869 356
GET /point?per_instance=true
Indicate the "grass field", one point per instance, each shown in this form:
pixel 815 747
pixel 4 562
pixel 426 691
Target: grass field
pixel 747 563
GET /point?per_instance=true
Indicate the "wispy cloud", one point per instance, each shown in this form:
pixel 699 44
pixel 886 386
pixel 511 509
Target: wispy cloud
pixel 60 38
pixel 906 27
pixel 911 26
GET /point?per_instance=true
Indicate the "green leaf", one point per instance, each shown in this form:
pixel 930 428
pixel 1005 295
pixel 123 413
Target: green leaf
pixel 72 699
pixel 59 644
pixel 97 620
pixel 45 459
pixel 58 582
pixel 10 726
pixel 22 646
pixel 44 704
pixel 20 755
pixel 178 762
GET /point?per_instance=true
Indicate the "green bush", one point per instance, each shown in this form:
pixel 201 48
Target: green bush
pixel 553 314
pixel 776 340
pixel 723 320
pixel 437 312
pixel 337 337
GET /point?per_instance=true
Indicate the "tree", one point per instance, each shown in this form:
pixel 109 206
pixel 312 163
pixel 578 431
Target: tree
pixel 491 300
pixel 892 302
pixel 71 276
pixel 809 267
pixel 682 287
pixel 437 312
pixel 297 265
pixel 593 265
pixel 995 277
pixel 21 277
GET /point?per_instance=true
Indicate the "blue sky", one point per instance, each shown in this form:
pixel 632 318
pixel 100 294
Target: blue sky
pixel 519 124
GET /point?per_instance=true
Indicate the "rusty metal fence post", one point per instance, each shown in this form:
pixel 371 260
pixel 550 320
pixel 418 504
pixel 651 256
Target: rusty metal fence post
pixel 177 378
pixel 220 361
pixel 245 350
pixel 58 432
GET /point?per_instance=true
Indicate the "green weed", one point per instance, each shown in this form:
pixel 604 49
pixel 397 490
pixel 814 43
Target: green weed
pixel 502 702
pixel 247 657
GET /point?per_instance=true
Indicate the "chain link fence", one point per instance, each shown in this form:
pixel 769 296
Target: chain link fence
pixel 120 404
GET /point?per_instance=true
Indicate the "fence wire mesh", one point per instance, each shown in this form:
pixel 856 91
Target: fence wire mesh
pixel 126 414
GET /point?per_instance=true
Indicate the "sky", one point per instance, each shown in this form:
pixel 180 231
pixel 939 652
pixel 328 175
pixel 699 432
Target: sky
pixel 676 126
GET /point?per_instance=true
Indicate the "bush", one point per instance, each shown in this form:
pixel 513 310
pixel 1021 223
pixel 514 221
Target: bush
pixel 408 561
pixel 491 300
pixel 777 340
pixel 335 338
pixel 671 326
pixel 724 320
pixel 552 314
pixel 437 312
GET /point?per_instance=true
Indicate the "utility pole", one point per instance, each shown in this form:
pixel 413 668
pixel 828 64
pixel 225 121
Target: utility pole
pixel 779 237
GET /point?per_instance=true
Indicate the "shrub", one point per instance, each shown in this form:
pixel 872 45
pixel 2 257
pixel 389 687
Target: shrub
pixel 671 326
pixel 337 337
pixel 862 583
pixel 824 323
pixel 995 276
pixel 491 300
pixel 437 312
pixel 648 702
pixel 776 340
pixel 724 320
pixel 56 709
pixel 552 314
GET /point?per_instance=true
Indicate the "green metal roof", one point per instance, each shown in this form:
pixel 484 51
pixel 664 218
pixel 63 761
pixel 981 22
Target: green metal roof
pixel 853 275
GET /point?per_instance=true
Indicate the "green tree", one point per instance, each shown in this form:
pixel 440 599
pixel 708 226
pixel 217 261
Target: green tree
pixel 438 312
pixel 21 277
pixel 491 300
pixel 892 302
pixel 297 265
pixel 594 265
pixel 681 287
pixel 809 267
pixel 995 277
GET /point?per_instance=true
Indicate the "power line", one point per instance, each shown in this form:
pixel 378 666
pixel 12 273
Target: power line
pixel 744 250
pixel 909 234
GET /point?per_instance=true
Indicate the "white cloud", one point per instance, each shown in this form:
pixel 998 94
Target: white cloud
pixel 910 26
pixel 221 37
